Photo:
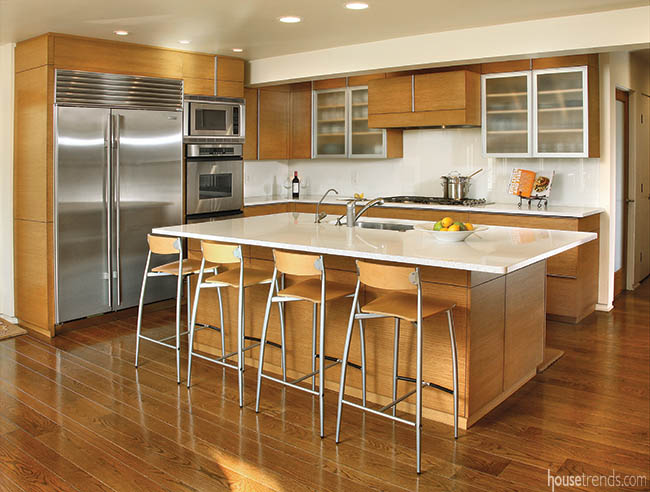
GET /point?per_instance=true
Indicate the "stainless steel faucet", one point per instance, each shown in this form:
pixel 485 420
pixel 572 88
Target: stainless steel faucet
pixel 350 217
pixel 370 204
pixel 320 216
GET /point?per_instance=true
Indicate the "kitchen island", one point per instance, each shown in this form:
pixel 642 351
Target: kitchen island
pixel 496 278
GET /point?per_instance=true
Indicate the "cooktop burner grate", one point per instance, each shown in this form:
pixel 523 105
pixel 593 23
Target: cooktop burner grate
pixel 435 200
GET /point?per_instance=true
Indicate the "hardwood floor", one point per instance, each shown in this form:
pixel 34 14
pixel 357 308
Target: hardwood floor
pixel 76 415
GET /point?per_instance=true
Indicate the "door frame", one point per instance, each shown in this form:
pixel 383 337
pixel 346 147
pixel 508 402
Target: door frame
pixel 620 276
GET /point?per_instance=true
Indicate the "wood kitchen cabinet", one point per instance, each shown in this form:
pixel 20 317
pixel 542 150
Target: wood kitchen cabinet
pixel 427 99
pixel 278 122
pixel 230 76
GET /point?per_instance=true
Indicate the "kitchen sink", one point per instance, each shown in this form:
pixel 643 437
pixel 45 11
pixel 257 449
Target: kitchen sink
pixel 389 226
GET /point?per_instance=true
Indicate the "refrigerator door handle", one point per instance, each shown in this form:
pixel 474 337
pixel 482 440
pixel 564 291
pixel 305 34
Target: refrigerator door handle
pixel 116 155
pixel 109 211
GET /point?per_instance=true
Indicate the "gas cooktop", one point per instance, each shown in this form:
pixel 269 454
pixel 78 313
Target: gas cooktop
pixel 435 200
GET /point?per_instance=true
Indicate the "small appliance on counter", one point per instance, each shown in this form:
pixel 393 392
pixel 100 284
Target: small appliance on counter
pixel 213 181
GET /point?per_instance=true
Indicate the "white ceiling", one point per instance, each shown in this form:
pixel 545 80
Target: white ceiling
pixel 217 26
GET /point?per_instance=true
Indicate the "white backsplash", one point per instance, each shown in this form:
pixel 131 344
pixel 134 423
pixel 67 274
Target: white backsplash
pixel 428 154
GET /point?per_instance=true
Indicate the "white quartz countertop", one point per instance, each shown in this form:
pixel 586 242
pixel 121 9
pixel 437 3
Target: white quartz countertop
pixel 496 250
pixel 494 208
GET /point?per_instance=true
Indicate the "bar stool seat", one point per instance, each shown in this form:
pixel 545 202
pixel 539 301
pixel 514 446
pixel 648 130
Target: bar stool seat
pixel 189 266
pixel 230 278
pixel 404 305
pixel 310 290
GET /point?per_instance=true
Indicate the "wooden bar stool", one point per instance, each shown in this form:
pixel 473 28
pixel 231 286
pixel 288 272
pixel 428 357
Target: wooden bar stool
pixel 183 268
pixel 240 279
pixel 317 291
pixel 401 304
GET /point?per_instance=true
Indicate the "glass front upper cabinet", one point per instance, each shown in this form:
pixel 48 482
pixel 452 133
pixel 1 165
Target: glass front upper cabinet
pixel 330 123
pixel 364 141
pixel 340 126
pixel 506 114
pixel 538 113
pixel 560 112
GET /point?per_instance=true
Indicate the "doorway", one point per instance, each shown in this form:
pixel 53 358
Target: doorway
pixel 622 178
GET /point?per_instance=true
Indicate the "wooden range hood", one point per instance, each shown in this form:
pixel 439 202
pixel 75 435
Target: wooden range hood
pixel 451 98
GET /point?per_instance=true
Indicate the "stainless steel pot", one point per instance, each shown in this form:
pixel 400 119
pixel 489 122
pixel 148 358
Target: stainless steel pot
pixel 457 186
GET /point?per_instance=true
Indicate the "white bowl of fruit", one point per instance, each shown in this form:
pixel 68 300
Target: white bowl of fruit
pixel 449 230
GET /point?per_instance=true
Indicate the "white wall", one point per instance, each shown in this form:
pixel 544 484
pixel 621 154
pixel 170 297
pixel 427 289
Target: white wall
pixel 595 32
pixel 428 154
pixel 6 181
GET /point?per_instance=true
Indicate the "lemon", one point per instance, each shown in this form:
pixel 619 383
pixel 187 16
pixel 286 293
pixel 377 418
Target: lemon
pixel 454 227
pixel 447 221
pixel 469 226
pixel 444 229
pixel 437 226
pixel 461 226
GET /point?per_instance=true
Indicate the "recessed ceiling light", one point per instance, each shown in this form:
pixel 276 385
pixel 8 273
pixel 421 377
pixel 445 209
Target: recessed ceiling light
pixel 290 19
pixel 356 6
pixel 184 41
pixel 238 50
pixel 121 33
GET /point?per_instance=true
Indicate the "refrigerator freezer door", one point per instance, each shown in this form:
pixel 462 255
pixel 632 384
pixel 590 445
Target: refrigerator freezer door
pixel 82 188
pixel 147 170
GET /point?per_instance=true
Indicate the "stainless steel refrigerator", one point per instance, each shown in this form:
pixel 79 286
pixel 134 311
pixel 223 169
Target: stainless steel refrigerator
pixel 118 175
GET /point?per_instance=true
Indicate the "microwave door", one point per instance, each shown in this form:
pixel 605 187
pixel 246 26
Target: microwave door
pixel 211 119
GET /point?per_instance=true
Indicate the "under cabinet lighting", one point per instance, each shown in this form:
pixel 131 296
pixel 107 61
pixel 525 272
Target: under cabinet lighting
pixel 184 41
pixel 121 33
pixel 238 50
pixel 356 6
pixel 290 19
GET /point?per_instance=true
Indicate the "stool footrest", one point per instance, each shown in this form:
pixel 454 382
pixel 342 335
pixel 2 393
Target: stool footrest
pixel 160 342
pixel 334 359
pixel 395 402
pixel 377 412
pixel 201 326
pixel 259 340
pixel 291 384
pixel 427 383
pixel 219 361
pixel 311 374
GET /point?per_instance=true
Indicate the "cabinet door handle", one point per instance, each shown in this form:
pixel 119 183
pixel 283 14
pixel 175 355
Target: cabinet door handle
pixel 627 200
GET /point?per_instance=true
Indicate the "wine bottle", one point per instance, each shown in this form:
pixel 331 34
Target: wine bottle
pixel 295 186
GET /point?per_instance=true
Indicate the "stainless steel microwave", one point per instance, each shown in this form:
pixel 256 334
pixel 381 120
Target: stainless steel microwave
pixel 214 118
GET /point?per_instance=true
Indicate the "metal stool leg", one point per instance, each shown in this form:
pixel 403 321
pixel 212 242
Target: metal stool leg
pixel 395 363
pixel 140 304
pixel 265 327
pixel 313 345
pixel 282 335
pixel 344 363
pixel 195 307
pixel 362 340
pixel 418 382
pixel 179 293
pixel 187 301
pixel 321 359
pixel 454 359
pixel 221 328
pixel 240 348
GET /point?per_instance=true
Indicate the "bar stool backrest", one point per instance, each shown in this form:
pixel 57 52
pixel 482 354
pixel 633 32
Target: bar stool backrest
pixel 164 245
pixel 386 276
pixel 220 253
pixel 300 264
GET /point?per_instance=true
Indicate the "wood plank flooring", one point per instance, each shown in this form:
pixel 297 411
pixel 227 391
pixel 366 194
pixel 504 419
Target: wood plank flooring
pixel 76 416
